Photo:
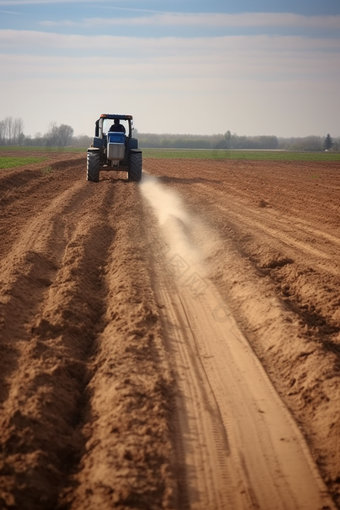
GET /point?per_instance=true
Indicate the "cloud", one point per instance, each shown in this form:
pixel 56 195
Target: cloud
pixel 286 85
pixel 40 42
pixel 34 2
pixel 178 66
pixel 190 63
pixel 215 20
pixel 181 74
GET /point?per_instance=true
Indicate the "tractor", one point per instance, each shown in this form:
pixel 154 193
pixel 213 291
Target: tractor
pixel 114 148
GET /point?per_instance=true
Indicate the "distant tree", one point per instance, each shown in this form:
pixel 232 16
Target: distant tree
pixel 328 142
pixel 307 143
pixel 18 131
pixel 65 134
pixel 164 143
pixel 82 141
pixel 227 138
pixel 39 139
pixel 2 132
pixel 336 145
pixel 11 131
pixel 59 135
pixel 8 124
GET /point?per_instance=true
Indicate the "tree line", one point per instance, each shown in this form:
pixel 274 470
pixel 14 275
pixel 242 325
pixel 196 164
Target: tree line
pixel 12 133
pixel 234 141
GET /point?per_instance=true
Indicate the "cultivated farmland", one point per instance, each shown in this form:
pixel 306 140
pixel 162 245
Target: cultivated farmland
pixel 173 344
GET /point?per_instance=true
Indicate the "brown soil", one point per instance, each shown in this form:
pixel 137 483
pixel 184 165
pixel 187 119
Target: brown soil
pixel 123 387
pixel 277 265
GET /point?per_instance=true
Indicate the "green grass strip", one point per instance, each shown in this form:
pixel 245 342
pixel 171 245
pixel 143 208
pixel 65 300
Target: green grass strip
pixel 11 162
pixel 212 154
pixel 235 154
pixel 40 148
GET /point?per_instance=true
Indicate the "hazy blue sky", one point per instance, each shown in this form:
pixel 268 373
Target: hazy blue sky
pixel 185 66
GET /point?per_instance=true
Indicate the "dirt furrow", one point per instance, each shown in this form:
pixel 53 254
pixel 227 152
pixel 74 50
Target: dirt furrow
pixel 25 193
pixel 309 289
pixel 45 399
pixel 29 269
pixel 128 460
pixel 85 420
pixel 294 236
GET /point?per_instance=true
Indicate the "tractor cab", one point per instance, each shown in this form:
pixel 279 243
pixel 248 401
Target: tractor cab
pixel 108 122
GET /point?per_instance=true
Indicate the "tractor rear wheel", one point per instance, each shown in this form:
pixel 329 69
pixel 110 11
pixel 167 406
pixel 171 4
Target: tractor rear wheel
pixel 135 167
pixel 93 164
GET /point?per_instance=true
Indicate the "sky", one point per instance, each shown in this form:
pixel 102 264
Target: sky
pixel 185 66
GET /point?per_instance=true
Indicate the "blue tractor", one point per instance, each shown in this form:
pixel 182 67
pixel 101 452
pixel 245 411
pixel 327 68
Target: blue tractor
pixel 114 148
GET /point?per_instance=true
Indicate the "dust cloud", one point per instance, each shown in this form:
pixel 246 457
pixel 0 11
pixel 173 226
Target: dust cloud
pixel 175 222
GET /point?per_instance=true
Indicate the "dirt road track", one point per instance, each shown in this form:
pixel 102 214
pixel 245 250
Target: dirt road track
pixel 111 394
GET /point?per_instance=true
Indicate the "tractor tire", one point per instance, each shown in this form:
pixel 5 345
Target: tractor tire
pixel 135 167
pixel 93 165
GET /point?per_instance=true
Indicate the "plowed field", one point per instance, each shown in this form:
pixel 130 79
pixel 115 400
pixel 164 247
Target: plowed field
pixel 173 344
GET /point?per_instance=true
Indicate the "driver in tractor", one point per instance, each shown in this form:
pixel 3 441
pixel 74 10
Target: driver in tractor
pixel 117 127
